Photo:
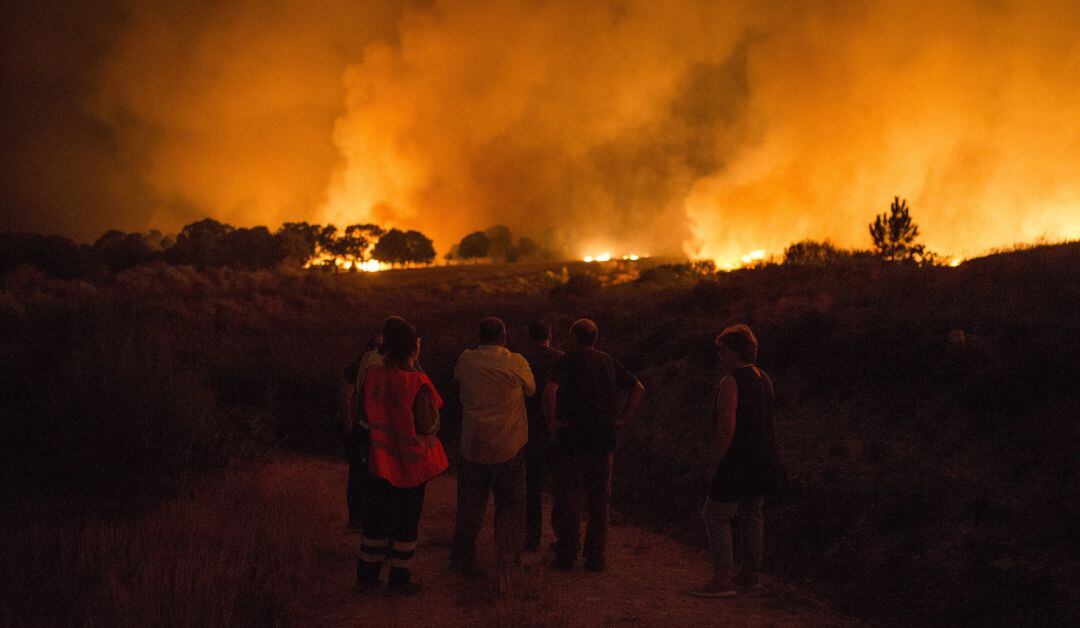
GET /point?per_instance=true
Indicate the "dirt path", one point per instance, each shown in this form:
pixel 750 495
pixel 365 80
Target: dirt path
pixel 644 584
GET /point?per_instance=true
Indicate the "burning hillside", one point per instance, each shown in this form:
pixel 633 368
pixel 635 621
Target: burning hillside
pixel 698 128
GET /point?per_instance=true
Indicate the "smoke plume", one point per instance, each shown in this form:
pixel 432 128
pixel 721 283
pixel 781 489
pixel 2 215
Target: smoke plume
pixel 690 127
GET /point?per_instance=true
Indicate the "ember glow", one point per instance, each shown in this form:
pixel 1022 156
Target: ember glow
pixel 367 266
pixel 607 257
pixel 706 129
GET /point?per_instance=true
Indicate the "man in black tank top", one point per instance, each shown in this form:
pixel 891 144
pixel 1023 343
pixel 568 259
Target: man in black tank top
pixel 743 463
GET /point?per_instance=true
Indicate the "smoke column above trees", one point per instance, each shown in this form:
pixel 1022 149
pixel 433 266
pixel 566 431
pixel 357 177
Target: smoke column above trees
pixel 705 128
pixel 719 128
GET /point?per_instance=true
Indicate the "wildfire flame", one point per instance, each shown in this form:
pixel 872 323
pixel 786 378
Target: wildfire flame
pixel 607 257
pixel 749 259
pixel 753 256
pixel 367 266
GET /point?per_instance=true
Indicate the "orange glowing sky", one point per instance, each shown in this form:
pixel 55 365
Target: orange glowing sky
pixel 702 128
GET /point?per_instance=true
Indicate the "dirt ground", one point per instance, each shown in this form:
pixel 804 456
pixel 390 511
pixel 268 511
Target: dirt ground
pixel 645 583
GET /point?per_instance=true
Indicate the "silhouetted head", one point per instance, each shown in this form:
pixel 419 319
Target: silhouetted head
pixel 737 345
pixel 401 342
pixel 540 331
pixel 391 323
pixel 492 331
pixel 584 333
pixel 375 343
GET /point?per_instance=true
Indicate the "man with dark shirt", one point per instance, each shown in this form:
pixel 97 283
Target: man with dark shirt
pixel 542 358
pixel 582 408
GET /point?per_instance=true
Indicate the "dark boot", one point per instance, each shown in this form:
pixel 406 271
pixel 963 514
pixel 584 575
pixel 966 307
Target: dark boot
pixel 367 575
pixel 401 582
pixel 372 555
pixel 721 585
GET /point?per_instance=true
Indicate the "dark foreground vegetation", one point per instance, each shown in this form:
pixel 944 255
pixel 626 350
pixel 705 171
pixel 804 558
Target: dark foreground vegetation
pixel 927 416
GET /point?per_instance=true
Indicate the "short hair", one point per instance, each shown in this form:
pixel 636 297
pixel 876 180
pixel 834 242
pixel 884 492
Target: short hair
pixel 584 332
pixel 399 338
pixel 492 329
pixel 375 342
pixel 740 340
pixel 539 330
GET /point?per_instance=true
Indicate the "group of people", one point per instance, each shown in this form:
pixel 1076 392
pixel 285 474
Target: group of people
pixel 525 415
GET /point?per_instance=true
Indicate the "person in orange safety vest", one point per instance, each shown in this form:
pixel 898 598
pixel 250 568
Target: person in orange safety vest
pixel 402 408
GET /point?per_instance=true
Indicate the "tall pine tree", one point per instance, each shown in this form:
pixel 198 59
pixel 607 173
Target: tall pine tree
pixel 894 233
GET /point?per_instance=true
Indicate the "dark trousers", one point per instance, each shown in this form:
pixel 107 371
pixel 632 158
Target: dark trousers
pixel 747 515
pixel 475 481
pixel 390 532
pixel 536 467
pixel 360 479
pixel 579 476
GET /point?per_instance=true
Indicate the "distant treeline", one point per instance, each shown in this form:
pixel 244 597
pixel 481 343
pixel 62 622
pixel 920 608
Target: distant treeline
pixel 212 244
pixel 497 243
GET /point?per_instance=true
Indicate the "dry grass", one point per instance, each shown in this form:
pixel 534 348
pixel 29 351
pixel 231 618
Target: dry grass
pixel 927 475
pixel 265 546
pixel 244 550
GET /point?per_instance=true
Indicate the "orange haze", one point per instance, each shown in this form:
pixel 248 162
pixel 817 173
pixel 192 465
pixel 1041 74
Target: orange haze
pixel 705 128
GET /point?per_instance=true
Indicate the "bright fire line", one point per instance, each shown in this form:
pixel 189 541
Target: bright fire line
pixel 607 257
pixel 367 266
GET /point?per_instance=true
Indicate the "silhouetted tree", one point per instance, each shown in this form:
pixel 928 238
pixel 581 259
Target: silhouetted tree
pixel 813 253
pixel 894 233
pixel 199 244
pixel 353 245
pixel 251 249
pixel 160 240
pixel 500 241
pixel 553 245
pixel 53 255
pixel 453 254
pixel 325 243
pixel 299 241
pixel 119 250
pixel 324 237
pixel 419 248
pixel 474 246
pixel 527 248
pixel 392 248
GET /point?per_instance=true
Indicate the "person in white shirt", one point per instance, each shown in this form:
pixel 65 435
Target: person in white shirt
pixel 494 429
